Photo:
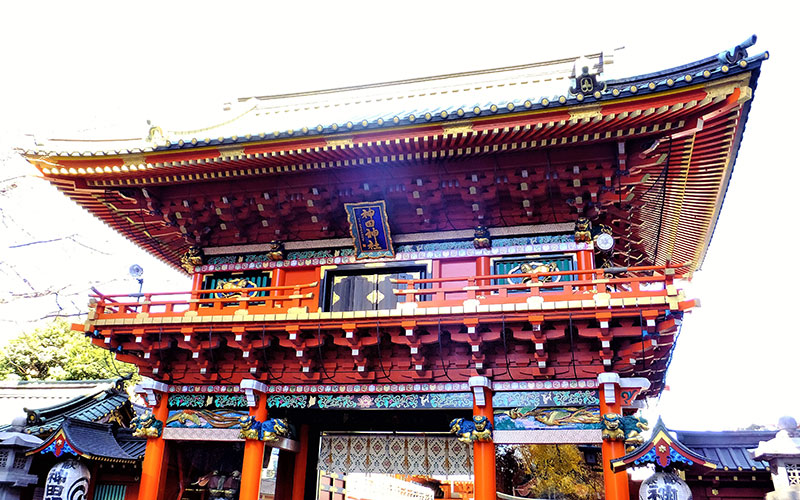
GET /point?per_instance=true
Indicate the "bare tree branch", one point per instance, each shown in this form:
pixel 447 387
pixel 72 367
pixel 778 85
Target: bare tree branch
pixel 70 238
pixel 59 315
pixel 41 242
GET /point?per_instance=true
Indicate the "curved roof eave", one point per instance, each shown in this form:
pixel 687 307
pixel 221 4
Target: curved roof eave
pixel 707 69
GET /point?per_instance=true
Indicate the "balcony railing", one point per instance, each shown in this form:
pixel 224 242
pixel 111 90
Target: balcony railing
pixel 212 302
pixel 597 288
pixel 542 286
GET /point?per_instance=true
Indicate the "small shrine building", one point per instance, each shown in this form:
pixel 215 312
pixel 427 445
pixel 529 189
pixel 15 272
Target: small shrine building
pixel 88 425
pixel 494 254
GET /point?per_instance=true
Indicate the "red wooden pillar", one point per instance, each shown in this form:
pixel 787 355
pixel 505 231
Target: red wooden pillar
pixel 197 284
pixel 483 267
pixel 299 476
pixel 616 483
pixel 154 466
pixel 253 460
pixel 484 452
pixel 585 263
pixel 197 281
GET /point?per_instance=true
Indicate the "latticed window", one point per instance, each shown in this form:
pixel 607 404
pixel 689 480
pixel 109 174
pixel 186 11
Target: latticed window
pixel 793 472
pixel 110 492
pixel 4 458
pixel 19 460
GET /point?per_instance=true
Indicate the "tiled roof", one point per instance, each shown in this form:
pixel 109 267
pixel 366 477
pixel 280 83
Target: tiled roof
pixel 729 449
pixel 16 396
pixel 133 446
pixel 95 441
pixel 89 407
pixel 421 101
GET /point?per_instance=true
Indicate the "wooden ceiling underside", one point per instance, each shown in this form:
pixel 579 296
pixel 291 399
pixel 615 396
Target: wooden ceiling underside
pixel 654 168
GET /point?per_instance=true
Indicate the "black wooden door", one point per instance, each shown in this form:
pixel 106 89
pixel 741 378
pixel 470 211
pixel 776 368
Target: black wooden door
pixel 367 292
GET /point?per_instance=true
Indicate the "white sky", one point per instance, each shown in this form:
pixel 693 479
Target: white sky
pixel 71 68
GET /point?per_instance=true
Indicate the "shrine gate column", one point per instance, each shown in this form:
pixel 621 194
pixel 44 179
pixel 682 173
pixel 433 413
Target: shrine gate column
pixel 253 460
pixel 154 466
pixel 484 453
pixel 616 483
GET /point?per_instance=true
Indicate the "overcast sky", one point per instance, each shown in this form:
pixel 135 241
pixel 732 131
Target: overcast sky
pixel 76 69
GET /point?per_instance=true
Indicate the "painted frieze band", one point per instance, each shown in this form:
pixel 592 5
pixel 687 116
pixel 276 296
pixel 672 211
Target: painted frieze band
pixel 536 399
pixel 452 400
pixel 207 401
pixel 537 385
pixel 197 403
pixel 403 252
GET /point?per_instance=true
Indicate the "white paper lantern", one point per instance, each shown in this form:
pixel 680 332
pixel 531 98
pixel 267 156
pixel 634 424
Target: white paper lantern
pixel 67 480
pixel 664 486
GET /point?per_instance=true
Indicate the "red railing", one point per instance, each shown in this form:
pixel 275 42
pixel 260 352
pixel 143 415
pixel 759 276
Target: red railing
pixel 646 281
pixel 491 289
pixel 257 300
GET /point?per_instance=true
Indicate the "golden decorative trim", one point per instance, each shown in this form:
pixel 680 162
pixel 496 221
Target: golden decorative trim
pixel 134 160
pixel 586 112
pixel 726 87
pixel 457 128
pixel 231 153
pixel 341 141
pixel 746 95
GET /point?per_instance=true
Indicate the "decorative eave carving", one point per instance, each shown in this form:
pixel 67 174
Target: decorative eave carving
pixel 663 451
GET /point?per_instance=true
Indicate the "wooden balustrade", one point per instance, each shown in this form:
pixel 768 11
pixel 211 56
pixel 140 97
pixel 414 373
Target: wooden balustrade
pixel 645 281
pixel 426 293
pixel 263 300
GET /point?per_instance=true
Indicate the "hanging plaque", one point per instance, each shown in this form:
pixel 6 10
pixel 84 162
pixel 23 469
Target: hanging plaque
pixel 369 227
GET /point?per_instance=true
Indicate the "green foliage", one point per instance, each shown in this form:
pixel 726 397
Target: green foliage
pixel 548 471
pixel 55 352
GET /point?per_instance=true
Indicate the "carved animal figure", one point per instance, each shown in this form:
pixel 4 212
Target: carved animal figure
pixel 276 250
pixel 146 425
pixel 274 429
pixel 271 430
pixel 193 257
pixel 565 416
pixel 483 428
pixel 234 284
pixel 469 431
pixel 627 429
pixel 632 427
pixel 612 427
pixel 185 416
pixel 462 428
pixel 482 239
pixel 539 267
pixel 249 428
pixel 583 230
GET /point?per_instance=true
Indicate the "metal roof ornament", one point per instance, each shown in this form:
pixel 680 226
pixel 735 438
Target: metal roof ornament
pixel 585 83
pixel 155 135
pixel 737 53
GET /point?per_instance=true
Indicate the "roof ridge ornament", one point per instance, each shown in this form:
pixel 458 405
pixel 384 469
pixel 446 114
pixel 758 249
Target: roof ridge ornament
pixel 586 83
pixel 738 52
pixel 155 135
